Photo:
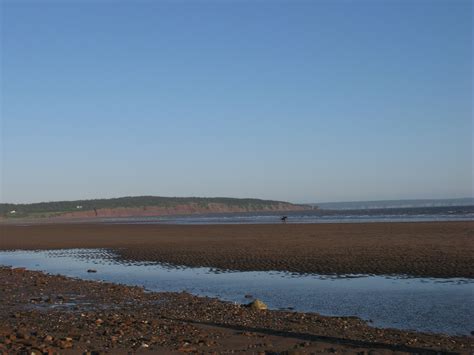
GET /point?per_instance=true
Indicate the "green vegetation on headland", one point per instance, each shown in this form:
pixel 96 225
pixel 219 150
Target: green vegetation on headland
pixel 57 208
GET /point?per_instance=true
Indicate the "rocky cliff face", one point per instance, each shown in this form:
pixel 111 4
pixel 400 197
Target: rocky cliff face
pixel 192 208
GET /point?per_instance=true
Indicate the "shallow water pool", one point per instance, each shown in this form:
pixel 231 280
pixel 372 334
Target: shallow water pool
pixel 422 304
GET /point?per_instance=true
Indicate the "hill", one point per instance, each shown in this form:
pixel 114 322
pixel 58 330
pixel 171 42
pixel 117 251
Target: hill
pixel 142 206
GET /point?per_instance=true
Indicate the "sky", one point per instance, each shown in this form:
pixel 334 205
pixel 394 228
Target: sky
pixel 302 101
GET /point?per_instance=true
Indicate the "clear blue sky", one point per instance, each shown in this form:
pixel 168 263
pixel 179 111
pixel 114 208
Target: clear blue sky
pixel 303 101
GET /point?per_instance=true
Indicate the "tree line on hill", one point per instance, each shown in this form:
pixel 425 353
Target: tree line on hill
pixel 21 210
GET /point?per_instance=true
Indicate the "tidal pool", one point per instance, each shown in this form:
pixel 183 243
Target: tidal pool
pixel 421 304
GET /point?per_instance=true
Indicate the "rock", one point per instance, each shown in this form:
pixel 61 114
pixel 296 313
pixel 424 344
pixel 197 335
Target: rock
pixel 257 305
pixel 60 298
pixel 19 270
pixel 22 335
pixel 91 270
pixel 64 344
pixel 248 296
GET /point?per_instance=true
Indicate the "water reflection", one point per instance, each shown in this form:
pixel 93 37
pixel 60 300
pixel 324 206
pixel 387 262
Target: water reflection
pixel 423 304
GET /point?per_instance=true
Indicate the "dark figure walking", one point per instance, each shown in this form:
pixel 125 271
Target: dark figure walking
pixel 284 218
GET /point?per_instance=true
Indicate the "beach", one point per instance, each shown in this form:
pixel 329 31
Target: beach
pixel 434 249
pixel 47 313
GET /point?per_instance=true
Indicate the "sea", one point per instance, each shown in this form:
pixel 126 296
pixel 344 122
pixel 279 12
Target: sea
pixel 334 212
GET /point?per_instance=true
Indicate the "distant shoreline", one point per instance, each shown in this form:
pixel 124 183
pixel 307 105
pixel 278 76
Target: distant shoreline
pixel 294 214
pixel 405 203
pixel 142 206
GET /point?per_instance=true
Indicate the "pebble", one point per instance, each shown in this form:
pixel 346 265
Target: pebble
pixel 132 319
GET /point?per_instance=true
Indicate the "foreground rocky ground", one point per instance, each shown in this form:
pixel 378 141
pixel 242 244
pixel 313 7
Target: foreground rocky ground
pixel 42 313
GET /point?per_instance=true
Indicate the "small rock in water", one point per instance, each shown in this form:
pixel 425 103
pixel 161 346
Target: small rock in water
pixel 248 296
pixel 257 305
pixel 91 270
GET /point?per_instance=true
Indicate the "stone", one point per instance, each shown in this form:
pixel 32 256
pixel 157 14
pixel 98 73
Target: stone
pixel 19 270
pixel 257 305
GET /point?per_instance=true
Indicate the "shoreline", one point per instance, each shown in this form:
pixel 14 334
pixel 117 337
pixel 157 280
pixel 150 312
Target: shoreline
pixel 168 219
pixel 51 312
pixel 424 249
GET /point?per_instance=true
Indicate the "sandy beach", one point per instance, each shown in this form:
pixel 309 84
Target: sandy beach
pixel 435 249
pixel 42 313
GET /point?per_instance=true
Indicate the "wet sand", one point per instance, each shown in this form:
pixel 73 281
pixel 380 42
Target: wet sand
pixel 42 313
pixel 437 249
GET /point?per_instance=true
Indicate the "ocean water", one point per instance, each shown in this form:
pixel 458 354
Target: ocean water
pixel 361 205
pixel 395 301
pixel 342 215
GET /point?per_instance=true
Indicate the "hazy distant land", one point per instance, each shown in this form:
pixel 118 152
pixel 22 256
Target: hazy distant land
pixel 412 203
